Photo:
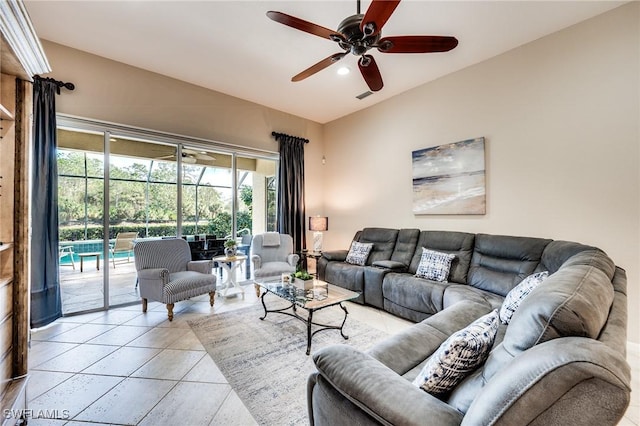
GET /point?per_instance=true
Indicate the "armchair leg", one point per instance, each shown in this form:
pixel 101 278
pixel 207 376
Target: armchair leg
pixel 144 305
pixel 170 311
pixel 212 297
pixel 257 287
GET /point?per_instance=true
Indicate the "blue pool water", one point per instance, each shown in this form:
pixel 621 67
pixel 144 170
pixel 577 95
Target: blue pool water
pixel 67 259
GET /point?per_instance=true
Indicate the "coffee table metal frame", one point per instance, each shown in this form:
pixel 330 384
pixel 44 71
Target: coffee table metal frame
pixel 334 296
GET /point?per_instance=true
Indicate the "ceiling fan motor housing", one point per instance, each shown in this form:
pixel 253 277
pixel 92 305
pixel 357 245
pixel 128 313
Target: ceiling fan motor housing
pixel 355 41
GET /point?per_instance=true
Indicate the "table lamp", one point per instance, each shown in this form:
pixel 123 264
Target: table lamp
pixel 318 224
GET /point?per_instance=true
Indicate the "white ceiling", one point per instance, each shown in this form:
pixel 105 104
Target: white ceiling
pixel 233 48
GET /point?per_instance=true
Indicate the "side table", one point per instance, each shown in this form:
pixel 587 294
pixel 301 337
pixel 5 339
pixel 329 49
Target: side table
pixel 230 264
pixel 82 256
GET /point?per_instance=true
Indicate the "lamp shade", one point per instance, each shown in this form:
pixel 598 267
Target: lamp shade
pixel 318 223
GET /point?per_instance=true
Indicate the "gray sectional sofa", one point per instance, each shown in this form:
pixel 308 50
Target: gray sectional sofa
pixel 560 361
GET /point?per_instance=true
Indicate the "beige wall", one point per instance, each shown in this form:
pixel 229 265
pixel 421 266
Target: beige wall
pixel 560 117
pixel 112 91
pixel 561 121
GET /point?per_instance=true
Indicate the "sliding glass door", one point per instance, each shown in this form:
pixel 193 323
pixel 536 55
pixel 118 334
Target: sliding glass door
pixel 142 205
pixel 81 217
pixel 155 186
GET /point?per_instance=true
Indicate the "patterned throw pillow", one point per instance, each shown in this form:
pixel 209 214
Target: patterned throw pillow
pixel 518 293
pixel 463 352
pixel 358 253
pixel 434 265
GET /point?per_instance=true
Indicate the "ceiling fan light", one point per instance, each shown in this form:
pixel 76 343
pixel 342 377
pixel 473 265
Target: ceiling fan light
pixel 343 70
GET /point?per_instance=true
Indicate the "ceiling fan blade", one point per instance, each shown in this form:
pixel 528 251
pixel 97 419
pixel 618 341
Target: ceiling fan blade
pixel 201 156
pixel 377 15
pixel 301 24
pixel 319 66
pixel 370 72
pixel 416 44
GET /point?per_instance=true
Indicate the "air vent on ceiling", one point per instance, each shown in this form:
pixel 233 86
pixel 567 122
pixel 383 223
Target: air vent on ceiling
pixel 364 95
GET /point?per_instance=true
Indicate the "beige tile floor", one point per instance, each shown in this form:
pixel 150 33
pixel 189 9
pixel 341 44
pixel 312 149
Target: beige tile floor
pixel 122 367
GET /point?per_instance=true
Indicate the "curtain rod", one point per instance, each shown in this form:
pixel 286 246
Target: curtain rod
pixel 58 83
pixel 280 135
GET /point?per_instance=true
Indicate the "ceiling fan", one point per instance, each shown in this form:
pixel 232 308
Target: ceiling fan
pixel 358 33
pixel 190 156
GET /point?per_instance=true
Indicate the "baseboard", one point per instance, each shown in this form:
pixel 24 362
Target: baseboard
pixel 14 402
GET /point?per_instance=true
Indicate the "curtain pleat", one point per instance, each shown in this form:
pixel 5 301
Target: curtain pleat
pixel 46 303
pixel 291 208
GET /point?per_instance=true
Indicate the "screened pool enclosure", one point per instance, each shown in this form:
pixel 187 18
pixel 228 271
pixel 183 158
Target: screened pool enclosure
pixel 118 181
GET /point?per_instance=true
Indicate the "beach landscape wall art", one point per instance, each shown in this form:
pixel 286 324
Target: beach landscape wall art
pixel 450 179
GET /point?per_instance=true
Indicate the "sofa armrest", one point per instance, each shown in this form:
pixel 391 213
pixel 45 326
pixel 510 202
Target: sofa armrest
pixel 154 274
pixel 337 255
pixel 546 376
pixel 390 265
pixel 202 266
pixel 408 348
pixel 256 260
pixel 293 259
pixel 379 391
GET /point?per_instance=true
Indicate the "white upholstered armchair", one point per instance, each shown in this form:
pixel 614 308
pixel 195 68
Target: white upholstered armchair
pixel 167 274
pixel 272 255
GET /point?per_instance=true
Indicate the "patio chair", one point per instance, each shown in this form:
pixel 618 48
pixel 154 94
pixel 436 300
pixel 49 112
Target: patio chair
pixel 272 255
pixel 64 251
pixel 123 244
pixel 167 274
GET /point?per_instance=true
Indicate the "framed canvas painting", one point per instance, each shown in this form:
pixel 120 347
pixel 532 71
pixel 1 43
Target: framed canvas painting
pixel 450 179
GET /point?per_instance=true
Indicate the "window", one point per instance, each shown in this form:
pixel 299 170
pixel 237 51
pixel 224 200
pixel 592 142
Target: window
pixel 157 185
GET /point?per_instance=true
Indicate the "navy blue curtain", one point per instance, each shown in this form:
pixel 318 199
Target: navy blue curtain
pixel 46 302
pixel 291 210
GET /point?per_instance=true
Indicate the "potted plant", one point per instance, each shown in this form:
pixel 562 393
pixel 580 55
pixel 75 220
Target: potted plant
pixel 302 279
pixel 230 247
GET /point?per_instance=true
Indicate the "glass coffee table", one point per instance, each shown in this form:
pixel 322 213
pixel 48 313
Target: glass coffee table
pixel 323 295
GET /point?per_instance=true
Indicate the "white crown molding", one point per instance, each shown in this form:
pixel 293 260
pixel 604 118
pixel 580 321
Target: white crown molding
pixel 18 31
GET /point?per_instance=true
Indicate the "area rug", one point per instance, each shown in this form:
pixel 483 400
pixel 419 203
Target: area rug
pixel 265 361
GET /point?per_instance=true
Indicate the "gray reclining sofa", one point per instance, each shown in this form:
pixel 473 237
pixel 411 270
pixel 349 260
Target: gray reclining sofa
pixel 560 360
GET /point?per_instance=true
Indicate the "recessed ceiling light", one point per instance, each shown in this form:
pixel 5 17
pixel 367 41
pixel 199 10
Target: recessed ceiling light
pixel 343 71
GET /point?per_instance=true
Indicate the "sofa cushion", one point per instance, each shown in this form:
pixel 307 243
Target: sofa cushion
pixel 458 243
pixel 558 252
pixel 455 293
pixel 411 297
pixel 358 253
pixel 573 301
pixel 405 246
pixel 458 356
pixel 518 293
pixel 347 276
pixel 434 265
pixel 499 262
pixel 384 242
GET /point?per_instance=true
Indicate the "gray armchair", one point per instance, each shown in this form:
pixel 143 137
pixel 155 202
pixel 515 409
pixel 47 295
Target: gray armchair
pixel 167 274
pixel 272 255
